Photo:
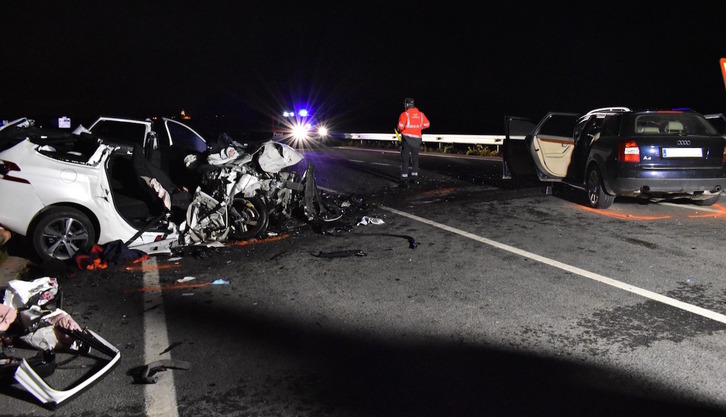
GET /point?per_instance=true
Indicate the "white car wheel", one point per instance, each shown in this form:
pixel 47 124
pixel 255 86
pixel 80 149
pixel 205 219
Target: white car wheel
pixel 61 233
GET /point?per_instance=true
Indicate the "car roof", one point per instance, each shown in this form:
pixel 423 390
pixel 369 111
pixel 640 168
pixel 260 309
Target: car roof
pixel 604 111
pixel 607 111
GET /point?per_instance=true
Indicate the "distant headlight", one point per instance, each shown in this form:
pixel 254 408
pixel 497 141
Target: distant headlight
pixel 322 131
pixel 300 131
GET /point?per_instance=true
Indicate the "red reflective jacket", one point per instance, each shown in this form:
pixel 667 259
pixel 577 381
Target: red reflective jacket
pixel 412 121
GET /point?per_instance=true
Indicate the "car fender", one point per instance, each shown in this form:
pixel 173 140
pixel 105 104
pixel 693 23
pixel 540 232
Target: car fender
pixel 596 160
pixel 16 217
pixel 90 192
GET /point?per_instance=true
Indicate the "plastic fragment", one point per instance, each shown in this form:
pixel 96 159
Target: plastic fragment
pixel 339 254
pixel 369 220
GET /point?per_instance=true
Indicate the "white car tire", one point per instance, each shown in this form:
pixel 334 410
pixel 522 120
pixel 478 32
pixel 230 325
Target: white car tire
pixel 61 233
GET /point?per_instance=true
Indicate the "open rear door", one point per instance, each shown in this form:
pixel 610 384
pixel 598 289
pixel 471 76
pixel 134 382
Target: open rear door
pixel 551 145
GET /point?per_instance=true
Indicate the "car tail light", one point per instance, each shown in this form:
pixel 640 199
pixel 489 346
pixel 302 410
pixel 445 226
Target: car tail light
pixel 629 151
pixel 6 167
pixel 724 153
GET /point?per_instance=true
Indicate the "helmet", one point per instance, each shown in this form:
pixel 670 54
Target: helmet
pixel 408 103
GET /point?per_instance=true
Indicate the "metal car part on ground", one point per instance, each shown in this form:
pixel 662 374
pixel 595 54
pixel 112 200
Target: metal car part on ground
pixel 29 379
pixel 35 319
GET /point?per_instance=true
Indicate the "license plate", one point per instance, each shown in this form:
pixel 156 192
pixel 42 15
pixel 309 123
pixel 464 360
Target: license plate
pixel 682 153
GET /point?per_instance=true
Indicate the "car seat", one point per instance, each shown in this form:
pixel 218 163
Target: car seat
pixel 674 126
pixel 161 194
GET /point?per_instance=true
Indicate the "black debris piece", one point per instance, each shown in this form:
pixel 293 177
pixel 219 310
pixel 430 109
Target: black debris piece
pixel 147 374
pixel 340 254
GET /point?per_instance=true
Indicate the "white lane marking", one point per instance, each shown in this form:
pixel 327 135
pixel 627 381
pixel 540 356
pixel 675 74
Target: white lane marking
pixel 328 190
pixel 692 207
pixel 425 154
pixel 372 163
pixel 160 398
pixel 569 268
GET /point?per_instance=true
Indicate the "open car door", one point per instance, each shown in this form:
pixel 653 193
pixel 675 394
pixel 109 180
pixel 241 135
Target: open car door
pixel 517 163
pixel 551 144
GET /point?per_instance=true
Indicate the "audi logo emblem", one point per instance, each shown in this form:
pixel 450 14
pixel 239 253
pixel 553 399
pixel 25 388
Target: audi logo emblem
pixel 683 142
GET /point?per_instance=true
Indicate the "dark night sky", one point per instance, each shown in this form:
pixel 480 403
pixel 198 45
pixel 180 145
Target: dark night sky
pixel 356 61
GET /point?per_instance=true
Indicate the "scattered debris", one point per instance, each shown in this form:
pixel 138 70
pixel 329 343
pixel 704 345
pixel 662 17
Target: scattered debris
pixel 155 306
pixel 21 293
pixel 411 241
pixel 185 279
pixel 148 267
pixel 172 346
pixel 147 374
pixel 369 220
pixel 220 282
pixel 174 286
pixel 255 240
pixel 339 254
pixel 32 316
pixel 278 255
pixel 337 229
pixel 115 252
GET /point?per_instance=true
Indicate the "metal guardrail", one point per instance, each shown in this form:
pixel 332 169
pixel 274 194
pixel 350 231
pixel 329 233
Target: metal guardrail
pixel 431 138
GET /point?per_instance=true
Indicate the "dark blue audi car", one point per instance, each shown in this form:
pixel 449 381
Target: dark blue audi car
pixel 610 152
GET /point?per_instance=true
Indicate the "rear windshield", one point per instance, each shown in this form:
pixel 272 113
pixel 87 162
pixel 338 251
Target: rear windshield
pixel 672 124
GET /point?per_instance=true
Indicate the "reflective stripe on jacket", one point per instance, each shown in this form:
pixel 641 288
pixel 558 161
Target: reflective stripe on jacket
pixel 412 121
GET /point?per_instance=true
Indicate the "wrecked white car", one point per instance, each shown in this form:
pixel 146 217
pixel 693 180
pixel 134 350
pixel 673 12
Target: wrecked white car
pixel 67 191
pixel 101 185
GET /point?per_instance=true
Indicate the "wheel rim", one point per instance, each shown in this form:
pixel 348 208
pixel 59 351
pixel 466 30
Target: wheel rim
pixel 593 187
pixel 249 217
pixel 63 238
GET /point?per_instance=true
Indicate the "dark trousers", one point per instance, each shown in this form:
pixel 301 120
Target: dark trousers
pixel 409 155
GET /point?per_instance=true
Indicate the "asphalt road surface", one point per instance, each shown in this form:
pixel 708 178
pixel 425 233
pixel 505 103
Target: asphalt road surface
pixel 466 295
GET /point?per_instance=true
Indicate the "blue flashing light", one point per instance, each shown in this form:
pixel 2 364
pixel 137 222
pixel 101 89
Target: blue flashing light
pixel 302 113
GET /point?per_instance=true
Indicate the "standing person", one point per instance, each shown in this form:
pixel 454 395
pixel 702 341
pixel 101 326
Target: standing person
pixel 410 124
